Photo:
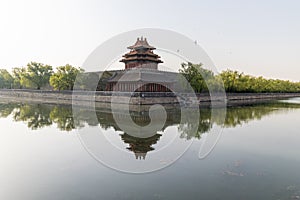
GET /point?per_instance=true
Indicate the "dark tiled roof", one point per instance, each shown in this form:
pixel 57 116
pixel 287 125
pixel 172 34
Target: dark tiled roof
pixel 146 53
pixel 144 75
pixel 136 58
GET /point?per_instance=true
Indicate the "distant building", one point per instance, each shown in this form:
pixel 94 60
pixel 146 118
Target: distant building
pixel 141 72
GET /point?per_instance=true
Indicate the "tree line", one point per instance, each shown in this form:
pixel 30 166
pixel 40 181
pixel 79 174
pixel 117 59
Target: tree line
pixel 37 76
pixel 41 76
pixel 201 79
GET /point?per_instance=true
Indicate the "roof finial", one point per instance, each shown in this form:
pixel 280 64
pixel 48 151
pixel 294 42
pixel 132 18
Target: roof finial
pixel 138 39
pixel 142 38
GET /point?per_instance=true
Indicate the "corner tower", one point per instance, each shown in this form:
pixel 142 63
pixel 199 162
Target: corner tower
pixel 141 56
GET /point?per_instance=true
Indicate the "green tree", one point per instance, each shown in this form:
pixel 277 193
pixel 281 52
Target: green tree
pixel 6 80
pixel 65 77
pixel 230 80
pixel 196 76
pixel 37 75
pixel 18 76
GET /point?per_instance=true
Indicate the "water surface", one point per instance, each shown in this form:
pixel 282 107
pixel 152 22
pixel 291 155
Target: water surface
pixel 256 157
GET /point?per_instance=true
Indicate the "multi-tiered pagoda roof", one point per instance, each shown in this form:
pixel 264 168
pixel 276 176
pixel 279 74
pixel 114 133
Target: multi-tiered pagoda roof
pixel 141 55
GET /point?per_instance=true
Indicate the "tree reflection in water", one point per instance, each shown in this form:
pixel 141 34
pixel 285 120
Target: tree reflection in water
pixel 37 116
pixel 41 115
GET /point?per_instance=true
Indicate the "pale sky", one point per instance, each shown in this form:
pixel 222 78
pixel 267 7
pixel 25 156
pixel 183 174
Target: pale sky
pixel 255 37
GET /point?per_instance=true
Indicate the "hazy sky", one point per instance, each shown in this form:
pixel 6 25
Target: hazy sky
pixel 256 37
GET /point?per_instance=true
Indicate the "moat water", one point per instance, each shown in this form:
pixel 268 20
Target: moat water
pixel 256 154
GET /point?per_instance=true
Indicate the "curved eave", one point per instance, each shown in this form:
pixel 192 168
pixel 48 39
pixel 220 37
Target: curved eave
pixel 140 59
pixel 141 47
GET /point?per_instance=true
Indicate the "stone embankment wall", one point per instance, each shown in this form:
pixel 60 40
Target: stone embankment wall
pixel 81 97
pixel 137 98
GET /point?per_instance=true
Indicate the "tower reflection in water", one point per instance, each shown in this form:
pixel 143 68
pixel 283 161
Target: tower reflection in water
pixel 37 116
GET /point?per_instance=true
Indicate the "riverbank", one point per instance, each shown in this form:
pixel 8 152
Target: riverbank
pixel 141 98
